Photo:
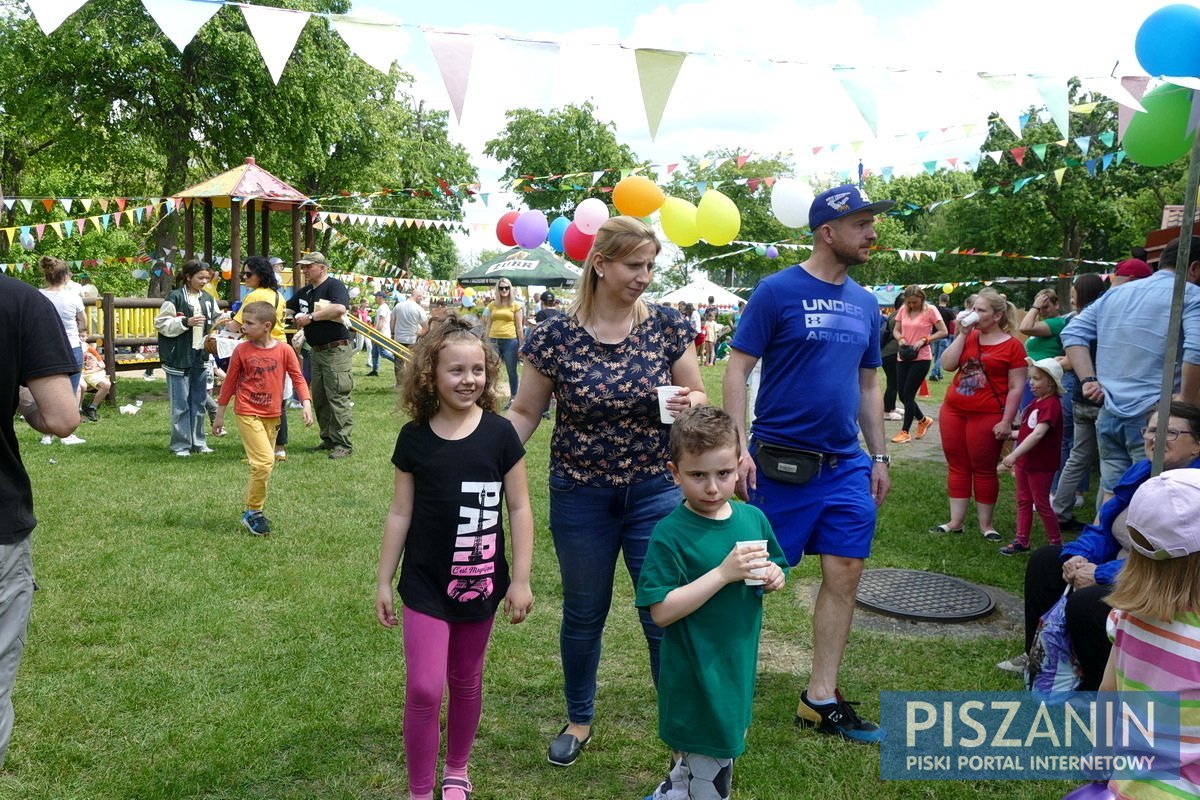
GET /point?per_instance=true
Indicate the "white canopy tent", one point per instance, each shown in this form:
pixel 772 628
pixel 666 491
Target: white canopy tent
pixel 697 293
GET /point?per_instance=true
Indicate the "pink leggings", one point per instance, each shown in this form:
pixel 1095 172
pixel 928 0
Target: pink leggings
pixel 972 453
pixel 437 653
pixel 1033 489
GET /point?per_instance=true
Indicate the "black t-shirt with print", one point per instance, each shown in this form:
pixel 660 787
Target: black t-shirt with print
pixel 35 346
pixel 454 567
pixel 305 302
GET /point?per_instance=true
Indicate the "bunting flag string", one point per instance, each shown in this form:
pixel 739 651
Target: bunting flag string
pixel 22 266
pixel 375 220
pixel 275 32
pixel 915 255
pixel 401 279
pixel 66 228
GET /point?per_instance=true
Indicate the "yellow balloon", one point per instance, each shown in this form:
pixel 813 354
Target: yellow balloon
pixel 678 218
pixel 637 196
pixel 717 218
pixel 948 288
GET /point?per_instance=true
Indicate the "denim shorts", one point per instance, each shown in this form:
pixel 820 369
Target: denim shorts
pixel 1121 445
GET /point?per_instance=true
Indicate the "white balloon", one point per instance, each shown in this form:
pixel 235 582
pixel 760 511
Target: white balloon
pixel 27 241
pixel 790 201
pixel 354 292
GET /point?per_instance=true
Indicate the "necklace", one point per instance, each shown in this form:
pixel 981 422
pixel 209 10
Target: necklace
pixel 595 333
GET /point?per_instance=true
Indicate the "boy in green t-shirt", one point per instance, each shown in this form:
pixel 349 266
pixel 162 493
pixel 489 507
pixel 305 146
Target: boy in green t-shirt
pixel 695 582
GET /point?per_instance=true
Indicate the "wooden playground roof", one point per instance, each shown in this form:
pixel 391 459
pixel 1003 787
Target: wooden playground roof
pixel 245 182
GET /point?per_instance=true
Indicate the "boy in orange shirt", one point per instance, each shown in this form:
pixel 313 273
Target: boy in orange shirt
pixel 255 374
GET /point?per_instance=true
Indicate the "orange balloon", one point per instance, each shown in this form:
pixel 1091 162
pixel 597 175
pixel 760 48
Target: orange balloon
pixel 637 196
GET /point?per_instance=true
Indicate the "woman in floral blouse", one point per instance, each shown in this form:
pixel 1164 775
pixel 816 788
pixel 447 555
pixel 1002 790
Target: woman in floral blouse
pixel 609 483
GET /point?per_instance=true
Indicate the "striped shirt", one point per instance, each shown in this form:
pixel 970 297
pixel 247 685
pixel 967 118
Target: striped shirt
pixel 1162 656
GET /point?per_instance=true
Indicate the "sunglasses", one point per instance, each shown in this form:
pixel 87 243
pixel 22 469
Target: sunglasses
pixel 503 288
pixel 246 275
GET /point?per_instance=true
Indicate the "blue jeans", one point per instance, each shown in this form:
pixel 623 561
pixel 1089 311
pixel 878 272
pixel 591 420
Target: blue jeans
pixel 507 348
pixel 1121 445
pixel 590 525
pixel 187 391
pixel 76 376
pixel 939 347
pixel 376 352
pixel 1070 382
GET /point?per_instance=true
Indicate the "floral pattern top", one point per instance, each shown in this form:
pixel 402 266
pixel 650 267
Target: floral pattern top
pixel 608 431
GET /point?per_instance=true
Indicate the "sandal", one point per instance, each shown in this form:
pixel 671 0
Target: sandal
pixel 945 528
pixel 992 535
pixel 456 789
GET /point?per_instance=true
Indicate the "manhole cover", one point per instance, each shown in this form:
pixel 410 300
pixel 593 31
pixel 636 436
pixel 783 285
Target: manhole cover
pixel 912 594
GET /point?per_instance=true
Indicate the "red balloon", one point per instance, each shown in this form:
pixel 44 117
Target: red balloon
pixel 504 231
pixel 576 243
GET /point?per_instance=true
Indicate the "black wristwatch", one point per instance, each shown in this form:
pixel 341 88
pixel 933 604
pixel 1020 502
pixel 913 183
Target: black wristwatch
pixel 881 458
pixel 1089 379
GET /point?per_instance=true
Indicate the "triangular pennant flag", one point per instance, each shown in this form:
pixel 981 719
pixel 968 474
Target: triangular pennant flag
pixel 68 227
pixel 863 88
pixel 48 203
pixel 66 203
pixel 86 202
pixel 741 161
pixel 1054 93
pixel 921 135
pixel 40 231
pixel 1039 150
pixel 1084 143
pixel 994 155
pixel 51 13
pixel 931 166
pixel 1018 154
pixel 1091 166
pixel 1135 86
pixel 1005 92
pixel 377 43
pixel 103 201
pixel 1107 138
pixel 1106 161
pixel 121 201
pixel 657 71
pixel 27 204
pixel 275 31
pixel 180 19
pixel 452 52
pixel 8 202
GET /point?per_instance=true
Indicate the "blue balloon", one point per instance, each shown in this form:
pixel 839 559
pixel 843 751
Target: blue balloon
pixel 1168 43
pixel 558 229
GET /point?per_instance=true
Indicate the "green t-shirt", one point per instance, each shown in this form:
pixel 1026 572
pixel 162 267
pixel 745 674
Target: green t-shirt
pixel 710 657
pixel 1039 347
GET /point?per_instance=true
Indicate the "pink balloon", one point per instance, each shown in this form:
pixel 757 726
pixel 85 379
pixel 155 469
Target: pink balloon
pixel 530 229
pixel 590 215
pixel 576 243
pixel 504 228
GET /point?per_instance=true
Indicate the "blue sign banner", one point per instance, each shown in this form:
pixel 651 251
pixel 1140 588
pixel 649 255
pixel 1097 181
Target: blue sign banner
pixel 1025 736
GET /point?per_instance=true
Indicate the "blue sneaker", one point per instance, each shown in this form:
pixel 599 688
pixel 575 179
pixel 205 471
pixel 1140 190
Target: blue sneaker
pixel 838 719
pixel 257 523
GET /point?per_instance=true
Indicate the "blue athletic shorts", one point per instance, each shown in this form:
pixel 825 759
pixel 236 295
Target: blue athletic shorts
pixel 833 514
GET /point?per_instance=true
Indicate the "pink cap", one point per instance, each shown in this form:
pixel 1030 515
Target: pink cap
pixel 1163 511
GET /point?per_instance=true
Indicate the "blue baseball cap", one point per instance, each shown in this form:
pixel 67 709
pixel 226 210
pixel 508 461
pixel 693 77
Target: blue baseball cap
pixel 839 201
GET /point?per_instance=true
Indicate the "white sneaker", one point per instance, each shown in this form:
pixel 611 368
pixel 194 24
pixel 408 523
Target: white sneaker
pixel 205 449
pixel 73 439
pixel 893 415
pixel 183 453
pixel 1079 501
pixel 1016 664
pixel 47 439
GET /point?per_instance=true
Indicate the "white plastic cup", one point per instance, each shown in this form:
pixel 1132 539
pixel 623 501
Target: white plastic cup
pixel 968 319
pixel 761 572
pixel 664 394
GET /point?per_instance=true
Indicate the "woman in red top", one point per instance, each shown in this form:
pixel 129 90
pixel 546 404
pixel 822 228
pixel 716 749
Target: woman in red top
pixel 980 406
pixel 917 324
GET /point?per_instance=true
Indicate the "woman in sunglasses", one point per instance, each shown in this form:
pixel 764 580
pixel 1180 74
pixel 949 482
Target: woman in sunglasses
pixel 504 323
pixel 259 276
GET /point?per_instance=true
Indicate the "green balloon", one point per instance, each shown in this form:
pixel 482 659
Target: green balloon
pixel 1160 136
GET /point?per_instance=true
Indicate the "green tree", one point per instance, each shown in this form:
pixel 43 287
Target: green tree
pixel 568 143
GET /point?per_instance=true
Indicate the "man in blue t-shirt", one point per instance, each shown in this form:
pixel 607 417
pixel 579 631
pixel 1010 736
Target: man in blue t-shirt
pixel 816 332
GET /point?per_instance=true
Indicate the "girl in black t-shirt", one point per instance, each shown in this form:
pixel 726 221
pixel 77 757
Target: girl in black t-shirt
pixel 456 463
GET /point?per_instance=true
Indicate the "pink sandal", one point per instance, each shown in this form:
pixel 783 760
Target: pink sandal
pixel 456 789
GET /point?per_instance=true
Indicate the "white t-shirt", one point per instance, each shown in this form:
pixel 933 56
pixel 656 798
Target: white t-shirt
pixel 69 307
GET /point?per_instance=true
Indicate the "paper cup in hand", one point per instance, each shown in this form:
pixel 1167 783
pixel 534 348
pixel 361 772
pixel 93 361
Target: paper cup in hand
pixel 761 572
pixel 664 394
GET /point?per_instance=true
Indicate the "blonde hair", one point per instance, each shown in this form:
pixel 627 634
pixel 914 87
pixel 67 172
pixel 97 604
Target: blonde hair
pixel 616 239
pixel 420 396
pixel 259 311
pixel 55 270
pixel 1000 305
pixel 1156 589
pixel 912 290
pixel 512 301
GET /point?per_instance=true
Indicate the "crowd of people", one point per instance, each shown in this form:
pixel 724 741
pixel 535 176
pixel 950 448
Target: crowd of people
pixel 643 467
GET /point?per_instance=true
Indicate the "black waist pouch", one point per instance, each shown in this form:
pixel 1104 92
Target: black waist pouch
pixel 788 465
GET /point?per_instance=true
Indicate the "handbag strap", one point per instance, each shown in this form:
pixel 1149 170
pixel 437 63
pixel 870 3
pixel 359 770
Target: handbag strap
pixel 987 379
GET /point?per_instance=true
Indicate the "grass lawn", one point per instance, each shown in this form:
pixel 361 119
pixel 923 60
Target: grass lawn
pixel 173 655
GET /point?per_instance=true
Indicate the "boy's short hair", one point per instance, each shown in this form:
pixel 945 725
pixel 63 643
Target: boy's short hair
pixel 259 311
pixel 700 429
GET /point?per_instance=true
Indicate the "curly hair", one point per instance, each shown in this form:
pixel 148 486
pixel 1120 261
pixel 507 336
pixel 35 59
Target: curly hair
pixel 261 266
pixel 420 397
